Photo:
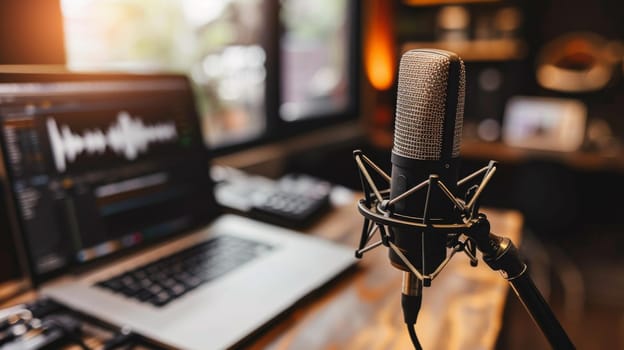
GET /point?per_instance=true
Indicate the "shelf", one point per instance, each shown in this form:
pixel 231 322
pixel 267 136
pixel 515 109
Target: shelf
pixel 476 50
pixel 498 151
pixel 583 160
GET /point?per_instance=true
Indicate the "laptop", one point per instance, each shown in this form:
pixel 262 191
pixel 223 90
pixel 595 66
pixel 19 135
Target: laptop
pixel 113 204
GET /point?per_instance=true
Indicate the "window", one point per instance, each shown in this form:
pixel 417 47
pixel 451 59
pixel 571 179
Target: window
pixel 260 68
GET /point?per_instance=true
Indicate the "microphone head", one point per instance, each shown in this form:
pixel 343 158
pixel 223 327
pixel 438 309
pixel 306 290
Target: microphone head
pixel 430 105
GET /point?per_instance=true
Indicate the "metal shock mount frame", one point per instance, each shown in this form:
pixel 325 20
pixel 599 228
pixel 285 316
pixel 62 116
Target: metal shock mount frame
pixel 467 231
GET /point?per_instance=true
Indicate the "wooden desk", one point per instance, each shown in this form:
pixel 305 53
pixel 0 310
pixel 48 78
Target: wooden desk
pixel 361 309
pixel 462 309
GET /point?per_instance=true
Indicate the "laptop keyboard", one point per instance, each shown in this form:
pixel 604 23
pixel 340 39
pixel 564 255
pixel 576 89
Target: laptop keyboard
pixel 170 277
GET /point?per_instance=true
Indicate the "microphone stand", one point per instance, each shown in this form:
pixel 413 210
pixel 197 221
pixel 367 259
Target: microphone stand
pixel 499 253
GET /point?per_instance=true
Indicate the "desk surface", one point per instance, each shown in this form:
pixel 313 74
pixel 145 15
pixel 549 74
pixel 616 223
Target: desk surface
pixel 361 310
pixel 464 306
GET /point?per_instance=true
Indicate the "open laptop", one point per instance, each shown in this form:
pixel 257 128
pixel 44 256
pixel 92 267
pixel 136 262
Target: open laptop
pixel 113 203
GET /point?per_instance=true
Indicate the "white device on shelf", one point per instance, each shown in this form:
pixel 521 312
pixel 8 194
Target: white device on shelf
pixel 544 123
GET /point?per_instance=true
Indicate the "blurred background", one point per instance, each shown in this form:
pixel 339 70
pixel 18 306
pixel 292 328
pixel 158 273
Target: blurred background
pixel 295 86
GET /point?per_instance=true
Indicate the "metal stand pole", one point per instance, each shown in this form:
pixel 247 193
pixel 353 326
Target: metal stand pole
pixel 501 255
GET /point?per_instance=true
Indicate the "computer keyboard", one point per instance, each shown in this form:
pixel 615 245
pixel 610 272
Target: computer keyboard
pixel 294 200
pixel 166 279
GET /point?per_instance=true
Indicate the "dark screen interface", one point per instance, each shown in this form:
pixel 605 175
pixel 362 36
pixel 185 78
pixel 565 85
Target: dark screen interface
pixel 99 166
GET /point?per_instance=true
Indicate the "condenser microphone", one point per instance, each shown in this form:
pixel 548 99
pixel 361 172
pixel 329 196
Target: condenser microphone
pixel 420 215
pixel 427 136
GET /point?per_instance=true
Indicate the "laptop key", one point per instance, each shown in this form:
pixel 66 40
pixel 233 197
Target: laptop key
pixel 178 290
pixel 145 283
pixel 168 283
pixel 161 298
pixel 155 289
pixel 130 290
pixel 144 295
pixel 127 279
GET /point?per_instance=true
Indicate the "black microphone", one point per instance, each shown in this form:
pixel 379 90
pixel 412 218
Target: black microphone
pixel 419 216
pixel 427 136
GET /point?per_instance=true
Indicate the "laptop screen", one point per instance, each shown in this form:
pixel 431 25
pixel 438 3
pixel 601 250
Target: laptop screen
pixel 99 163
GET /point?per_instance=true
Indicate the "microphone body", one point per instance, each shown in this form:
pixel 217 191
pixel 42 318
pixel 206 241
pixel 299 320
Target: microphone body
pixel 428 126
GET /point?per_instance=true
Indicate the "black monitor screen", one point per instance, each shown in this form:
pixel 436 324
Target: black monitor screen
pixel 101 164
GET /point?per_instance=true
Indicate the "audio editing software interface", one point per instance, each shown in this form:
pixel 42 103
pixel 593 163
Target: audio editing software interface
pixel 99 166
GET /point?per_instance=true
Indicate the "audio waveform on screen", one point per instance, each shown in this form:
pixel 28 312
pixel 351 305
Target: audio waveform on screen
pixel 127 137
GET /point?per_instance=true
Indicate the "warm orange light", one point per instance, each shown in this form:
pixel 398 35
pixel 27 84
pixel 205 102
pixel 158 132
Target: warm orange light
pixel 379 51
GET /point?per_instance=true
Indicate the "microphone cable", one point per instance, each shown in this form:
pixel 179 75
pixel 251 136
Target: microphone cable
pixel 411 329
pixel 411 306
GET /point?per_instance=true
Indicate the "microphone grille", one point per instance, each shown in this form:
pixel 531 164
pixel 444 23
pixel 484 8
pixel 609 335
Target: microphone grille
pixel 422 102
